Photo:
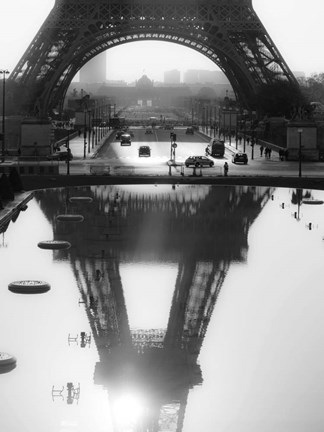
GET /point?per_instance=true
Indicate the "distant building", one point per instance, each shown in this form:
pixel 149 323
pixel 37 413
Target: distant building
pixel 172 77
pixel 95 70
pixel 144 83
pixel 201 76
pixel 191 76
pixel 145 92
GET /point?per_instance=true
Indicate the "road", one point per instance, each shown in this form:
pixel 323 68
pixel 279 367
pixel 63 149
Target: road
pixel 125 159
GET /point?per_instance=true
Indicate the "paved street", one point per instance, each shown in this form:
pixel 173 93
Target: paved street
pixel 110 157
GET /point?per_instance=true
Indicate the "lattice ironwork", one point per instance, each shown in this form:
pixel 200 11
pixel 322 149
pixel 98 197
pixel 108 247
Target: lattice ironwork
pixel 227 32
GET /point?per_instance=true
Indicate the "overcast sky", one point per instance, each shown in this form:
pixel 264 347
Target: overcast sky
pixel 295 26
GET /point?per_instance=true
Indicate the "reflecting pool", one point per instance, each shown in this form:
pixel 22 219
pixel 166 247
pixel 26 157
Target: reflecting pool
pixel 168 308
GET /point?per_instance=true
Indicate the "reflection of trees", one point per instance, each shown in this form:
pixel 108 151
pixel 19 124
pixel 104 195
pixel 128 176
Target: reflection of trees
pixel 203 229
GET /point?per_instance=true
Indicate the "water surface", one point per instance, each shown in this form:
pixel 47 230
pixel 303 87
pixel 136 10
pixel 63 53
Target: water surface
pixel 177 308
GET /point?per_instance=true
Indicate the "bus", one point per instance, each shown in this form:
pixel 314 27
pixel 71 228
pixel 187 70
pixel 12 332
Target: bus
pixel 216 148
pixel 117 122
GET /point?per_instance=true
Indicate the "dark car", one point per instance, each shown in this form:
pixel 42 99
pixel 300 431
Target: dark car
pixel 240 158
pixel 60 155
pixel 125 139
pixel 144 151
pixel 190 130
pixel 148 131
pixel 199 161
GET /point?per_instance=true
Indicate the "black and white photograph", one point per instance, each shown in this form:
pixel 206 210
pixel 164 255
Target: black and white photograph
pixel 161 216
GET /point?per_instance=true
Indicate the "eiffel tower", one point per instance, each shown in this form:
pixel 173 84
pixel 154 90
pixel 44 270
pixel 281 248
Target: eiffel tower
pixel 228 32
pixel 162 362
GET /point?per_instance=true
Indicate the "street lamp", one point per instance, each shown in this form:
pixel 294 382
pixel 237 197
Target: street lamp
pixel 68 152
pixel 300 131
pixel 85 134
pixel 89 129
pixel 230 125
pixel 4 72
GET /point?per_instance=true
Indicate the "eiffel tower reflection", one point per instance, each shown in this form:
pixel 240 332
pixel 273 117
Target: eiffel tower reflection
pixel 201 229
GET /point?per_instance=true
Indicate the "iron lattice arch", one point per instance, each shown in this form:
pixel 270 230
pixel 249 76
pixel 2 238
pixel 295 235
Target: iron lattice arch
pixel 228 32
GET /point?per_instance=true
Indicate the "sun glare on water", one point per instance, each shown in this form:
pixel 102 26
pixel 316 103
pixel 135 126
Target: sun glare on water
pixel 128 410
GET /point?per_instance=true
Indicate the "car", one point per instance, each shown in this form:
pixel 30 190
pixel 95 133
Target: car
pixel 199 161
pixel 240 158
pixel 119 134
pixel 148 131
pixel 144 151
pixel 60 155
pixel 190 130
pixel 125 139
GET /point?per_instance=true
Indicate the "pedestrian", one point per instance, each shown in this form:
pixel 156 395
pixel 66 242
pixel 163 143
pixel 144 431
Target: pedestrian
pixel 266 152
pixel 225 169
pixel 261 151
pixel 269 153
pixel 281 154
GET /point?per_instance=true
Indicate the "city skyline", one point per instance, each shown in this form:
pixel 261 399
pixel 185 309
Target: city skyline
pixel 293 25
pixel 95 71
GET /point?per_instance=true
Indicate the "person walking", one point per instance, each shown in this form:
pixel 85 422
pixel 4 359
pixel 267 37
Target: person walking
pixel 225 169
pixel 261 150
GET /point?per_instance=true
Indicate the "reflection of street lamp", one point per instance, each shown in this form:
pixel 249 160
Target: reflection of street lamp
pixel 297 198
pixel 4 72
pixel 300 131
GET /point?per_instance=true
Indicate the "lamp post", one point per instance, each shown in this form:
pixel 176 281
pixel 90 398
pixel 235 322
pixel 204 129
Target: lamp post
pixel 68 152
pixel 4 72
pixel 173 146
pixel 300 131
pixel 89 129
pixel 93 126
pixel 85 134
pixel 230 125
pixel 244 139
pixel 192 113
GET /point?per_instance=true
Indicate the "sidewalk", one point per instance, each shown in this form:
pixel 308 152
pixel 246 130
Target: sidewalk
pixel 234 147
pixel 81 148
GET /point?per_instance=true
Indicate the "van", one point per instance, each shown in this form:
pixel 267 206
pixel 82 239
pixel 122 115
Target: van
pixel 125 139
pixel 216 148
